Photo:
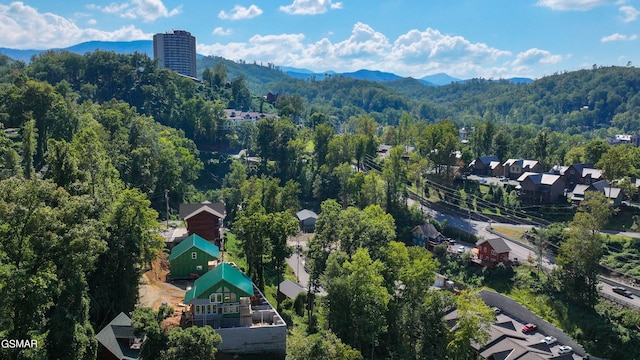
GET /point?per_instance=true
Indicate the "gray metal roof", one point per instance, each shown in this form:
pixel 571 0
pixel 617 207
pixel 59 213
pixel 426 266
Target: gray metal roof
pixel 188 209
pixel 306 214
pixel 428 230
pixel 291 289
pixel 118 328
pixel 499 245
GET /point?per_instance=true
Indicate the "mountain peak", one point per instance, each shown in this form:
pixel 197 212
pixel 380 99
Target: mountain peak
pixel 440 79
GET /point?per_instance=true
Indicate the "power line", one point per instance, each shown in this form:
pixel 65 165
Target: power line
pixel 482 204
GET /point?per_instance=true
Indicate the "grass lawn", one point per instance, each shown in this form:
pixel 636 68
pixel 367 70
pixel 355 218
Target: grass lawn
pixel 232 251
pixel 510 231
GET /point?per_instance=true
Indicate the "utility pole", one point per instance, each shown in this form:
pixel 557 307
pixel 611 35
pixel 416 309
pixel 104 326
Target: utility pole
pixel 298 265
pixel 166 198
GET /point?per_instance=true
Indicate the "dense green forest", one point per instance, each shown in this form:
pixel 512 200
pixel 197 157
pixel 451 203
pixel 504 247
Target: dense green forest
pixel 591 102
pixel 95 141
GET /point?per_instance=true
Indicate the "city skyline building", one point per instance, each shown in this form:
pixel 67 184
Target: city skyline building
pixel 176 50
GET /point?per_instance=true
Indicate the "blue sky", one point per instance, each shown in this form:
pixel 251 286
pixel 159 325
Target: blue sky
pixel 463 38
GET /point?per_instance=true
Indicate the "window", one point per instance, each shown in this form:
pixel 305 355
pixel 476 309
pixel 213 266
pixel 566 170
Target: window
pixel 484 248
pixel 215 298
pixel 197 309
pixel 194 255
pixel 229 297
pixel 493 252
pixel 231 309
pixel 208 309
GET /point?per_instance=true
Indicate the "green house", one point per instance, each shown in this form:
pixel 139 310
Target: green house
pixel 191 258
pixel 220 298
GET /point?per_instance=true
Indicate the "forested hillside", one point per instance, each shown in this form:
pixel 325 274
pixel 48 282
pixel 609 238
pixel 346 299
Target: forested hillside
pixel 576 102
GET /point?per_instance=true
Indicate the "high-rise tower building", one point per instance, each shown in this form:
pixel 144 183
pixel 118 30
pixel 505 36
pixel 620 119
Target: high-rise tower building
pixel 176 50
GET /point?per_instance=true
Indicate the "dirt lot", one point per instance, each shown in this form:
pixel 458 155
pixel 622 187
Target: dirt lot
pixel 154 290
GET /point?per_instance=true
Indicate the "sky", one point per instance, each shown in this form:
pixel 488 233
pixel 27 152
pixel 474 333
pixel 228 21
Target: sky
pixel 464 38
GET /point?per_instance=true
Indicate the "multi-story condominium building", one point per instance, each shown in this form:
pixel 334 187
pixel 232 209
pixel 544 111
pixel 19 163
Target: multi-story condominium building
pixel 176 50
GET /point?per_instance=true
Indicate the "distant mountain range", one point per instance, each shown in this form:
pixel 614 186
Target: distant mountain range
pixel 146 46
pixel 123 47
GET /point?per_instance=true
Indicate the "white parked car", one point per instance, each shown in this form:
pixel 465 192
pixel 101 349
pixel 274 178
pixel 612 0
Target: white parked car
pixel 564 349
pixel 549 340
pixel 461 249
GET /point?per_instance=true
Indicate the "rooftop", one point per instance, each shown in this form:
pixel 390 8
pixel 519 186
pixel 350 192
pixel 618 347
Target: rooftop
pixel 188 210
pixel 539 178
pixel 223 272
pixel 499 245
pixel 306 214
pixel 119 339
pixel 194 241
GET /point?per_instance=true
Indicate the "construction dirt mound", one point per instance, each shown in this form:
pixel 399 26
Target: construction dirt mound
pixel 155 291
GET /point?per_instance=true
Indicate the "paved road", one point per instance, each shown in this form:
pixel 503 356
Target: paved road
pixel 481 230
pixel 605 290
pixel 296 262
pixel 522 252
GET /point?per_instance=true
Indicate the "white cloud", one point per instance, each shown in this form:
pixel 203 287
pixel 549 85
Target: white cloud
pixel 221 31
pixel 435 46
pixel 241 13
pixel 536 56
pixel 576 4
pixel 364 40
pixel 629 13
pixel 618 37
pixel 92 22
pixel 310 7
pixel 112 8
pixel 147 10
pixel 23 27
pixel 262 48
pixel 415 53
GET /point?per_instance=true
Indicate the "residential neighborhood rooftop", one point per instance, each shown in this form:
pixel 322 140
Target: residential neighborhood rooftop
pixel 223 272
pixel 194 241
pixel 539 178
pixel 306 214
pixel 186 211
pixel 119 339
pixel 498 244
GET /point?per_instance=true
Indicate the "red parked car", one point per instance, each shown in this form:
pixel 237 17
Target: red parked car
pixel 529 328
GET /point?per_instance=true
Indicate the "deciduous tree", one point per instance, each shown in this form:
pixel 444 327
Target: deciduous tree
pixel 579 256
pixel 472 326
pixel 194 343
pixel 133 243
pixel 280 226
pixel 357 299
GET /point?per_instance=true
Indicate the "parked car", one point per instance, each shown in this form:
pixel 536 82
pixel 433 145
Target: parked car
pixel 622 291
pixel 504 179
pixel 564 349
pixel 482 181
pixel 549 340
pixel 461 249
pixel 529 328
pixel 496 310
